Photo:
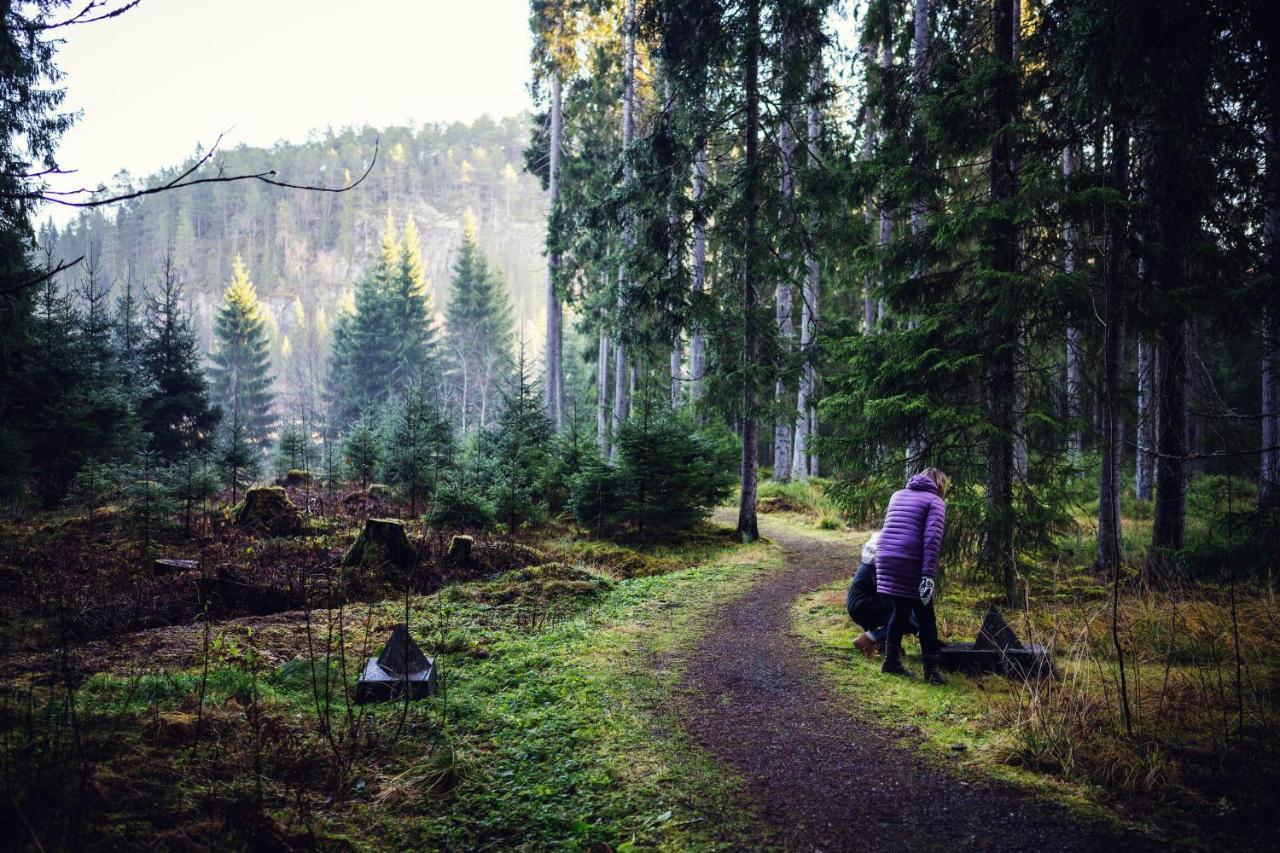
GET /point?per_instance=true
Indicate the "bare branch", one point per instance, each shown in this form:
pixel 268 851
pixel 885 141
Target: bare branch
pixel 180 182
pixel 43 277
pixel 83 16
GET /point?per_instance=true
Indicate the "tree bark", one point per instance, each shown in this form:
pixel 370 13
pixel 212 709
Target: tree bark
pixel 1269 471
pixel 1002 327
pixel 748 531
pixel 554 365
pixel 1145 467
pixel 1073 333
pixel 919 78
pixel 783 426
pixel 602 395
pixel 1110 538
pixel 804 462
pixel 886 215
pixel 697 340
pixel 621 388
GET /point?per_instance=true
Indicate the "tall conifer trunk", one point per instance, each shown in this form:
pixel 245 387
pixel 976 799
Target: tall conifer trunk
pixel 1073 332
pixel 1269 473
pixel 748 530
pixel 1002 324
pixel 782 427
pixel 1110 541
pixel 602 395
pixel 805 462
pixel 555 335
pixel 697 339
pixel 1145 460
pixel 622 388
pixel 886 214
pixel 674 249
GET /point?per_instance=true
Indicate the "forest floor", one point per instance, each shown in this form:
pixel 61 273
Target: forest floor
pixel 694 693
pixel 821 774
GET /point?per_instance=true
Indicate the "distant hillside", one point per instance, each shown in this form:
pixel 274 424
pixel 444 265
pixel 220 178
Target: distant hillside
pixel 309 248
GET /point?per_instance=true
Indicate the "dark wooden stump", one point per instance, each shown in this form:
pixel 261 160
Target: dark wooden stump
pixel 383 542
pixel 267 509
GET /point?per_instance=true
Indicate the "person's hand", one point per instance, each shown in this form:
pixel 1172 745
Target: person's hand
pixel 926 591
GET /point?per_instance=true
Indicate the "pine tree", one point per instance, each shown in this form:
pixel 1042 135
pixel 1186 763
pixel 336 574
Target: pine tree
pixel 418 446
pixel 174 405
pixel 387 340
pixel 517 450
pixel 239 459
pixel 479 332
pixel 362 451
pixel 415 358
pixel 293 449
pixel 241 372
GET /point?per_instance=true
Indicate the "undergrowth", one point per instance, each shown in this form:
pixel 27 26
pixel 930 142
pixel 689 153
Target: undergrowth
pixel 552 728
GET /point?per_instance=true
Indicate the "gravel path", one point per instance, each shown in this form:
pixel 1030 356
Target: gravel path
pixel 823 779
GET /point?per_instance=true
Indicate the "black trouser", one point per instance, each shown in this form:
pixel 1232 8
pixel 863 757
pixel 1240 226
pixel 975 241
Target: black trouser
pixel 900 623
pixel 873 615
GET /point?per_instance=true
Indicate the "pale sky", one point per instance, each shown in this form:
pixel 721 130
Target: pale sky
pixel 169 74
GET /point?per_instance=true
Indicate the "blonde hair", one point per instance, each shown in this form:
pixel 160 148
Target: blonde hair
pixel 941 480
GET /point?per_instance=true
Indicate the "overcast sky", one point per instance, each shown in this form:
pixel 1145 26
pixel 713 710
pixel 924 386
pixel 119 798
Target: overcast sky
pixel 173 73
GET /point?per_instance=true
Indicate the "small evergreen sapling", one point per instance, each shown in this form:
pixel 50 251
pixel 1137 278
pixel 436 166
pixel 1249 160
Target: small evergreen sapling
pixel 516 450
pixel 418 446
pixel 362 451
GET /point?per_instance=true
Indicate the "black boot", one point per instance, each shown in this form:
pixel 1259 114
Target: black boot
pixel 933 669
pixel 892 664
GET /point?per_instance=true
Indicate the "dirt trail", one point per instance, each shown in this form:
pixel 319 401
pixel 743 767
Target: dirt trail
pixel 821 778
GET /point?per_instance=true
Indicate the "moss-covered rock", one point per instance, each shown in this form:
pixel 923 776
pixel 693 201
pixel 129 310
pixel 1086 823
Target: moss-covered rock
pixel 268 510
pixel 379 491
pixel 382 543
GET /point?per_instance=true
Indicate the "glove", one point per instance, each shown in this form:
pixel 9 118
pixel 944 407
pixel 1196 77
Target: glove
pixel 926 591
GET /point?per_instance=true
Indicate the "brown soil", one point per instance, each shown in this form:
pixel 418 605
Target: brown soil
pixel 820 777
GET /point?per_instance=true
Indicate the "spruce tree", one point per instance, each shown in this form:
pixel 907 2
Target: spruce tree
pixel 418 446
pixel 293 450
pixel 174 406
pixel 241 373
pixel 516 450
pixel 415 356
pixel 479 332
pixel 387 341
pixel 238 458
pixel 362 451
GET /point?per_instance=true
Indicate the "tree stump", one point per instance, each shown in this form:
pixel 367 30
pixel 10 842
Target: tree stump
pixel 267 509
pixel 296 478
pixel 459 550
pixel 383 542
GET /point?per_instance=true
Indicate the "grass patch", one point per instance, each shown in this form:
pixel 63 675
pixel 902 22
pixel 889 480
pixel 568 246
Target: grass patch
pixel 804 497
pixel 552 732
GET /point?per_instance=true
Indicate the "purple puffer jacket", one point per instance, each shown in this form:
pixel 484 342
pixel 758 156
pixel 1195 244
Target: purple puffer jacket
pixel 911 538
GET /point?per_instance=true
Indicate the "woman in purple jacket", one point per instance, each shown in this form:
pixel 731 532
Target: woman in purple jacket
pixel 907 564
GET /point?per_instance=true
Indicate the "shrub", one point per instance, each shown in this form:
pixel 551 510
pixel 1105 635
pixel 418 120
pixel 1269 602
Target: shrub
pixel 458 507
pixel 668 475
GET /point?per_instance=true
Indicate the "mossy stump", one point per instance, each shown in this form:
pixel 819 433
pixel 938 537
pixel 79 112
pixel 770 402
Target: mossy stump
pixel 296 478
pixel 267 509
pixel 459 550
pixel 382 542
